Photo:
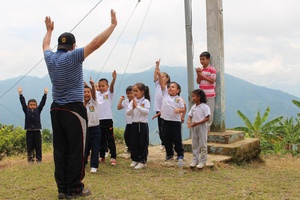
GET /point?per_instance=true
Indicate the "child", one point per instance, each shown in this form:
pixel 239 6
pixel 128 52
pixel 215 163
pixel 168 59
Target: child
pixel 206 78
pixel 33 125
pixel 93 136
pixel 158 97
pixel 139 109
pixel 198 117
pixel 123 103
pixel 104 98
pixel 172 107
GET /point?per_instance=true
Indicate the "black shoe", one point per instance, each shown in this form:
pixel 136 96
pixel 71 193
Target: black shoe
pixel 85 192
pixel 168 158
pixel 62 196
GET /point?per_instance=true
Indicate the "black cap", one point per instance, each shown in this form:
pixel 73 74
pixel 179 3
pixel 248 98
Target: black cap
pixel 66 41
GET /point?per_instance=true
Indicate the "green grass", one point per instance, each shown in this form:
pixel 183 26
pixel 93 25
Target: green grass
pixel 276 178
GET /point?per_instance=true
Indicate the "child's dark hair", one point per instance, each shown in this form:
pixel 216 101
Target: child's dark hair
pixel 31 100
pixel 86 86
pixel 205 54
pixel 103 79
pixel 142 87
pixel 177 84
pixel 168 77
pixel 129 89
pixel 201 94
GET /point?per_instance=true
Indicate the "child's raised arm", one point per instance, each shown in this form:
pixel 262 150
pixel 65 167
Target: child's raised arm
pixel 20 90
pixel 112 84
pixel 45 90
pixel 120 102
pixel 156 70
pixel 93 88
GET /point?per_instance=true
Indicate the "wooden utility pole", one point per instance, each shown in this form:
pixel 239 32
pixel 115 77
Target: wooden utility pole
pixel 215 46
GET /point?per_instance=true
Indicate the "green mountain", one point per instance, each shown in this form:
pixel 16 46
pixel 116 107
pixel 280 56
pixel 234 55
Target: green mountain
pixel 240 95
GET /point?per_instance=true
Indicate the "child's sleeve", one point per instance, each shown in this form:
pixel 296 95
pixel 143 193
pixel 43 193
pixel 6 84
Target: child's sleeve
pixel 42 103
pixel 23 103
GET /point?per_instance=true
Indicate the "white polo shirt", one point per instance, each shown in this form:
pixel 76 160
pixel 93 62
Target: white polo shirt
pixel 105 103
pixel 158 96
pixel 169 104
pixel 198 113
pixel 92 108
pixel 141 111
pixel 124 105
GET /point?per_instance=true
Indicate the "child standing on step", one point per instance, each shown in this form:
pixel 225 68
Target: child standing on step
pixel 198 117
pixel 138 109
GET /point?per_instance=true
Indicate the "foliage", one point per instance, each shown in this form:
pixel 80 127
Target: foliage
pixel 12 140
pixel 288 131
pixel 259 129
pixel 47 136
pixel 297 103
pixel 119 135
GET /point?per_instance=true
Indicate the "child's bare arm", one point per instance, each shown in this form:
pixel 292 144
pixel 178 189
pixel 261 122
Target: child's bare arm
pixel 120 103
pixel 156 70
pixel 93 88
pixel 112 84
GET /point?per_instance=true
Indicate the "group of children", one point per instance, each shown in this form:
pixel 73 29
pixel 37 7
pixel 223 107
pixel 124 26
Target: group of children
pixel 170 110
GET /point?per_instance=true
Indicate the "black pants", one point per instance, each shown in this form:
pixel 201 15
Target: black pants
pixel 127 135
pixel 69 125
pixel 139 141
pixel 159 125
pixel 107 139
pixel 172 137
pixel 34 145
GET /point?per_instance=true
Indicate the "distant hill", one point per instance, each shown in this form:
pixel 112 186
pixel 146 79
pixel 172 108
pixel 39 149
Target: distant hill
pixel 240 95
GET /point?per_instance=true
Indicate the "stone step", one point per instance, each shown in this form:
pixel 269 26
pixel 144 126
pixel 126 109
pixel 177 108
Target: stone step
pixel 240 150
pixel 227 137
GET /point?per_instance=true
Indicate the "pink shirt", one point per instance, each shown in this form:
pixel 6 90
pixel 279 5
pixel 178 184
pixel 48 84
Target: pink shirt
pixel 207 87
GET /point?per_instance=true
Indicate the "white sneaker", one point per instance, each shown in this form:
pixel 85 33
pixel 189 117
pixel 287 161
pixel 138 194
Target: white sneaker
pixel 193 165
pixel 139 166
pixel 200 165
pixel 93 170
pixel 133 164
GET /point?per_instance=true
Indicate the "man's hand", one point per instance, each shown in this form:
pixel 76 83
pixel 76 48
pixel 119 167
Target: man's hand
pixel 49 24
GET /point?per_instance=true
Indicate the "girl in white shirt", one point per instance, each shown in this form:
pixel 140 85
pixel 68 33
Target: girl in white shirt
pixel 172 107
pixel 139 109
pixel 198 118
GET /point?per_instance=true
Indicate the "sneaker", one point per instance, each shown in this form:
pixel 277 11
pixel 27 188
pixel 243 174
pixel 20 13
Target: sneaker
pixel 133 164
pixel 200 165
pixel 113 162
pixel 193 165
pixel 62 195
pixel 140 166
pixel 168 158
pixel 162 147
pixel 179 158
pixel 93 170
pixel 85 192
pixel 101 160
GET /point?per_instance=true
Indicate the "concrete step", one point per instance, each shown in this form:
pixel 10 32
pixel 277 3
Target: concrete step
pixel 226 137
pixel 241 150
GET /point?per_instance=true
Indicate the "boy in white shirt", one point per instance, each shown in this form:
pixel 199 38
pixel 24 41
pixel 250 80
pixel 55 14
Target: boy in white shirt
pixel 104 97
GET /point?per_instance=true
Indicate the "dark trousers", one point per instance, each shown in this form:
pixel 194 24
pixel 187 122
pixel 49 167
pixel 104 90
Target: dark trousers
pixel 69 125
pixel 107 139
pixel 93 145
pixel 127 135
pixel 34 145
pixel 159 125
pixel 139 141
pixel 172 137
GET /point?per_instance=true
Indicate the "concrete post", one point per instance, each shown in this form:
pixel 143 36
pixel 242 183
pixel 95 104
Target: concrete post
pixel 215 45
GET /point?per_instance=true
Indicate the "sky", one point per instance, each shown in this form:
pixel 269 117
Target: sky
pixel 261 38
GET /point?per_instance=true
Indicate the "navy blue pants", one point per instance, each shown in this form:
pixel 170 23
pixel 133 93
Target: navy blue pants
pixel 139 141
pixel 93 145
pixel 69 125
pixel 34 145
pixel 127 135
pixel 172 137
pixel 159 125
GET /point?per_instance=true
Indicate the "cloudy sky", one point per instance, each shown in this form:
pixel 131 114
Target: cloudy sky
pixel 261 37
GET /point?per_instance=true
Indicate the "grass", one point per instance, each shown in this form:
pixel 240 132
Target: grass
pixel 278 177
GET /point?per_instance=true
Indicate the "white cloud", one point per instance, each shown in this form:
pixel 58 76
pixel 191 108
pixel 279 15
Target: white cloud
pixel 261 38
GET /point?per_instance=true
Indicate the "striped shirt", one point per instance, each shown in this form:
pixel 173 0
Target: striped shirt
pixel 65 71
pixel 207 87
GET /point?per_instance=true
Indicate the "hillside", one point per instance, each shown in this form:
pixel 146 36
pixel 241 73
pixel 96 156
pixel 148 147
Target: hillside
pixel 240 95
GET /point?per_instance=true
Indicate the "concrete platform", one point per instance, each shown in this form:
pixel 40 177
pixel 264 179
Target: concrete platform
pixel 227 137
